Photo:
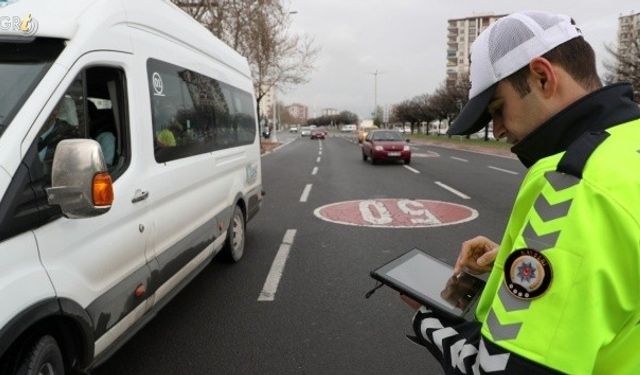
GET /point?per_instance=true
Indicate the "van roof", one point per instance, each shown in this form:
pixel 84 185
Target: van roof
pixel 69 19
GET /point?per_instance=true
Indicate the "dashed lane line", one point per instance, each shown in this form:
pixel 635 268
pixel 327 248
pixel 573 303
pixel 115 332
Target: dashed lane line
pixel 270 287
pixel 460 159
pixel 503 170
pixel 315 171
pixel 412 169
pixel 305 193
pixel 452 190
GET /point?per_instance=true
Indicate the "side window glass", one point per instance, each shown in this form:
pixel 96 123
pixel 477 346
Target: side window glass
pixel 195 114
pixel 66 121
pixel 93 107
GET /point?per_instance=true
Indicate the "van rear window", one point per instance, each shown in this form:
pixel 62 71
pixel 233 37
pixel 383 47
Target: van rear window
pixel 22 66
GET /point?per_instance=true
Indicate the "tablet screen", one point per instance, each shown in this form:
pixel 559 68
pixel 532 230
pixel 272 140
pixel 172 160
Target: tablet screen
pixel 431 282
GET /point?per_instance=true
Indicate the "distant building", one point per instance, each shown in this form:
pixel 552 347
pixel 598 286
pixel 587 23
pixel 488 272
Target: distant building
pixel 628 39
pixel 462 32
pixel 266 104
pixel 329 112
pixel 299 112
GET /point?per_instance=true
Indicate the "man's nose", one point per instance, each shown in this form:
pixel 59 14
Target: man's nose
pixel 499 130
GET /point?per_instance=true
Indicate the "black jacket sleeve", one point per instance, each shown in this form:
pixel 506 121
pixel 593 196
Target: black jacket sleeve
pixel 461 349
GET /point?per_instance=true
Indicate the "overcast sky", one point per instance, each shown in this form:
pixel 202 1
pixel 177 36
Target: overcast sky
pixel 406 40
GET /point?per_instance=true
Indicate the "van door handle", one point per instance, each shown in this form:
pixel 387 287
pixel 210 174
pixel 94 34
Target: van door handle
pixel 140 196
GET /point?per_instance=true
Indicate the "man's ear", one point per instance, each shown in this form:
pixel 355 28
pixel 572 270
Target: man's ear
pixel 543 76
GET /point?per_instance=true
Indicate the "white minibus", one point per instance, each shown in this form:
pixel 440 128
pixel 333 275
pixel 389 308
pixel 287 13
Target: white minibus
pixel 129 158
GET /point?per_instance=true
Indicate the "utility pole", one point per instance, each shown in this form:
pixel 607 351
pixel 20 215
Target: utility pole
pixel 274 131
pixel 375 89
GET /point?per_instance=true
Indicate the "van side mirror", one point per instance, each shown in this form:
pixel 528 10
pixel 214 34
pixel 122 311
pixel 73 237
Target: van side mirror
pixel 408 140
pixel 80 183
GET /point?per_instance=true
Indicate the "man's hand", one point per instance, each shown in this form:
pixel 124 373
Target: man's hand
pixel 410 301
pixel 476 256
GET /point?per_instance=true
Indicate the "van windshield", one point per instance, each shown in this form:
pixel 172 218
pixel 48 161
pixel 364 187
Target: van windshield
pixel 22 66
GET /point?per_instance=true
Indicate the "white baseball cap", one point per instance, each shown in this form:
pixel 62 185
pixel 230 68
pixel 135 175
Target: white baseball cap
pixel 501 50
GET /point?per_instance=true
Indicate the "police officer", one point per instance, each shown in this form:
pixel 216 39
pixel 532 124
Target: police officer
pixel 563 292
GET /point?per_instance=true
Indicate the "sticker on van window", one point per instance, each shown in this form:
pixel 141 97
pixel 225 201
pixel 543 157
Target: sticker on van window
pixel 252 173
pixel 22 26
pixel 158 85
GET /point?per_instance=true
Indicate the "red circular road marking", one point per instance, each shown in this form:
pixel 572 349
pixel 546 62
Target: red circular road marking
pixel 396 213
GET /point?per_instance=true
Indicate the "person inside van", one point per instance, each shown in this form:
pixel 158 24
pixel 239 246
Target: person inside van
pixel 103 131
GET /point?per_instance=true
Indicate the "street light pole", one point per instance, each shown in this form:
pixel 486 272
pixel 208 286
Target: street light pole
pixel 375 91
pixel 275 108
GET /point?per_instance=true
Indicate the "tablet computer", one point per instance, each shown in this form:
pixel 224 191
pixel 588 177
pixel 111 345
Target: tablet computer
pixel 432 283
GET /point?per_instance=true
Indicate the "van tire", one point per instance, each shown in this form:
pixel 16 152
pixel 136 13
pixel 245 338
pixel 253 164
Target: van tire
pixel 234 244
pixel 44 357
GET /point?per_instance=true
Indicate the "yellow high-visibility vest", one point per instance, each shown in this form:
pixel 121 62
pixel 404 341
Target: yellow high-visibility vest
pixel 580 236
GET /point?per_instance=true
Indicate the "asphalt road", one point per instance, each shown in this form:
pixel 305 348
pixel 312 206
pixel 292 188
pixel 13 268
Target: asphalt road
pixel 317 320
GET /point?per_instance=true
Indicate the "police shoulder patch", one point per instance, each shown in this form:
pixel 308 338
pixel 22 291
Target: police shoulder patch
pixel 527 273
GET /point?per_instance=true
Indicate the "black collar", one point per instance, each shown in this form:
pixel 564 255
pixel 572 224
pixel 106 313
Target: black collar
pixel 599 110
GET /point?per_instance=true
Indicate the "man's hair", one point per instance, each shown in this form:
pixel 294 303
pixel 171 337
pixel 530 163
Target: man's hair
pixel 575 56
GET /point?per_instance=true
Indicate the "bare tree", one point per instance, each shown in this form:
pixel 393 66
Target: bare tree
pixel 259 30
pixel 625 66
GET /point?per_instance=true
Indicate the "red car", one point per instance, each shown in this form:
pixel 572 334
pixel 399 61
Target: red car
pixel 318 134
pixel 385 145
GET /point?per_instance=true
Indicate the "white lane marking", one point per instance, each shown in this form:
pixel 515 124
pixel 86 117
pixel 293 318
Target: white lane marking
pixel 460 159
pixel 277 148
pixel 270 287
pixel 318 159
pixel 319 152
pixel 305 193
pixel 503 170
pixel 289 236
pixel 454 191
pixel 315 171
pixel 412 169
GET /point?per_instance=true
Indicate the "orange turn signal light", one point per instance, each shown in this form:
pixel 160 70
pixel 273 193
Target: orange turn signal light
pixel 102 189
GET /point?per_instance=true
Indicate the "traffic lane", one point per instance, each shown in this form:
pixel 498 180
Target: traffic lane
pixel 344 176
pixel 480 159
pixel 478 183
pixel 327 274
pixel 323 290
pixel 328 313
pixel 491 192
pixel 286 171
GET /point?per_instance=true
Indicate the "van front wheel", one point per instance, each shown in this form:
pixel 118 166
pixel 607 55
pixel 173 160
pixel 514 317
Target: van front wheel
pixel 234 245
pixel 43 358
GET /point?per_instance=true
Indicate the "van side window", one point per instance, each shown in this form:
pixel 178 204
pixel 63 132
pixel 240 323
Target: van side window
pixel 93 106
pixel 195 114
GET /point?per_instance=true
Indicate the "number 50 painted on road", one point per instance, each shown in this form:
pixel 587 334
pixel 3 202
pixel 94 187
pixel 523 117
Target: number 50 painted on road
pixel 396 213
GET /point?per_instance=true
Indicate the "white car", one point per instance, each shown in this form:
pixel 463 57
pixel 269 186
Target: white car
pixel 113 192
pixel 349 128
pixel 293 129
pixel 305 131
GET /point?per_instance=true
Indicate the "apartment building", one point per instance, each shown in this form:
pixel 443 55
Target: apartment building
pixel 329 112
pixel 628 40
pixel 267 104
pixel 299 112
pixel 462 32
